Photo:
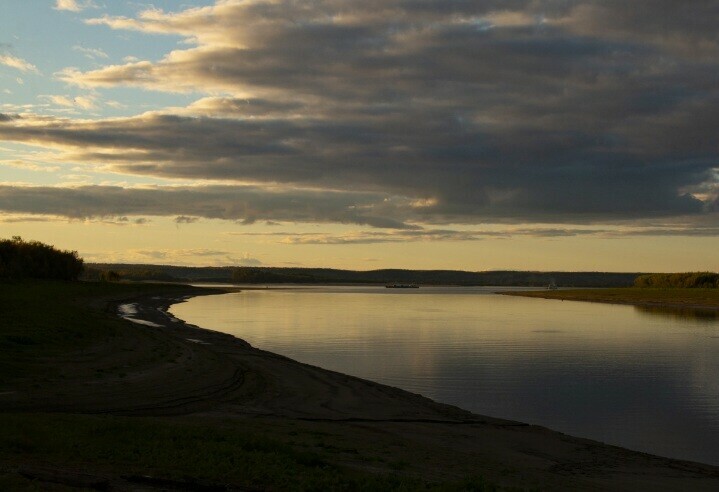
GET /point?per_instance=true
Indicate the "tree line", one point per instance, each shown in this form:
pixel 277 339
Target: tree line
pixel 688 280
pixel 33 259
pixel 431 277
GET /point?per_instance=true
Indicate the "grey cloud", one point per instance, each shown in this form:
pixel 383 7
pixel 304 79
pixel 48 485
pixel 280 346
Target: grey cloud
pixel 399 236
pixel 688 27
pixel 556 110
pixel 428 235
pixel 208 252
pixel 530 175
pixel 238 203
pixel 183 219
pixel 669 232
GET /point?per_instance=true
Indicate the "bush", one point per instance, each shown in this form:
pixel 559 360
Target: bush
pixel 110 276
pixel 689 280
pixel 33 259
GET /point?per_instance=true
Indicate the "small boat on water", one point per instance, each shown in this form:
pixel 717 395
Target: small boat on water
pixel 552 285
pixel 402 286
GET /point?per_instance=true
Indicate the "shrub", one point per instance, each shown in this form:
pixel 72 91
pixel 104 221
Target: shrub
pixel 33 259
pixel 688 280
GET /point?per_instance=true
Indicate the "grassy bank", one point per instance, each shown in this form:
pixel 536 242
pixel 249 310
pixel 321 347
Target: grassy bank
pixel 40 321
pixel 192 454
pixel 698 298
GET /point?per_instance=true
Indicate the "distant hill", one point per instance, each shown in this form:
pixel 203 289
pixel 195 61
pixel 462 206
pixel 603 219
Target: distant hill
pixel 271 275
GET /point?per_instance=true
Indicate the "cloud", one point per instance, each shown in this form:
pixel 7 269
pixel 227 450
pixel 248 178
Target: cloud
pixel 244 204
pixel 495 111
pixel 73 5
pixel 424 235
pixel 432 235
pixel 183 219
pixel 191 256
pixel 91 53
pixel 17 63
pixel 244 260
pixel 30 165
pixel 83 102
pixel 531 176
pixel 12 218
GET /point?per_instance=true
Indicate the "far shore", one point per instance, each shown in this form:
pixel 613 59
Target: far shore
pixel 689 298
pixel 212 379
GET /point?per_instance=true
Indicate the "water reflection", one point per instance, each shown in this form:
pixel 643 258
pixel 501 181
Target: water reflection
pixel 680 313
pixel 613 373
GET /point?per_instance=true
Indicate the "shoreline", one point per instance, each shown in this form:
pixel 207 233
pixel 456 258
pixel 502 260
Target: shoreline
pixel 395 404
pixel 613 296
pixel 328 396
pixel 163 373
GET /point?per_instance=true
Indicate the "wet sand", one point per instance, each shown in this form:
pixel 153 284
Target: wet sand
pixel 211 375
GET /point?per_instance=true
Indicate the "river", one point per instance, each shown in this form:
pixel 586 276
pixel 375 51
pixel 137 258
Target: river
pixel 645 379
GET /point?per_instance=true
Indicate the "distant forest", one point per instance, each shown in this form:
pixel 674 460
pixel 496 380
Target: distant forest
pixel 33 259
pixel 270 275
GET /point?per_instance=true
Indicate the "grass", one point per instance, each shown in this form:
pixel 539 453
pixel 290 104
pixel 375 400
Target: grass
pixel 43 319
pixel 189 453
pixel 699 298
pixel 177 450
pixel 55 315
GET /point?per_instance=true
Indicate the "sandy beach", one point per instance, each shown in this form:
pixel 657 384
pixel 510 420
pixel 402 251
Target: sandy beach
pixel 215 376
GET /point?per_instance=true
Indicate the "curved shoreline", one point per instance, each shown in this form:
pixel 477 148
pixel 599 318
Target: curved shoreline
pixel 268 385
pixel 324 395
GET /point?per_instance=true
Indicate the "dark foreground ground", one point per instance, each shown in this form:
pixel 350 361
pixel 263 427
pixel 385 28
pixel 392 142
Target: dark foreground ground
pixel 88 400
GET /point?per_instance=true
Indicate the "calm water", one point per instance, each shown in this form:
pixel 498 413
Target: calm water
pixel 644 379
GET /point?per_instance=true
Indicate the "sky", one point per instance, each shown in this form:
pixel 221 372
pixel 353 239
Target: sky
pixel 459 134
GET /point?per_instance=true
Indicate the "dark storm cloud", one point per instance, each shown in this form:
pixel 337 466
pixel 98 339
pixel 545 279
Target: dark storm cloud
pixel 476 111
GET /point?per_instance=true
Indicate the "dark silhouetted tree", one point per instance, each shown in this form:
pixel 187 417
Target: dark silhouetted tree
pixel 33 259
